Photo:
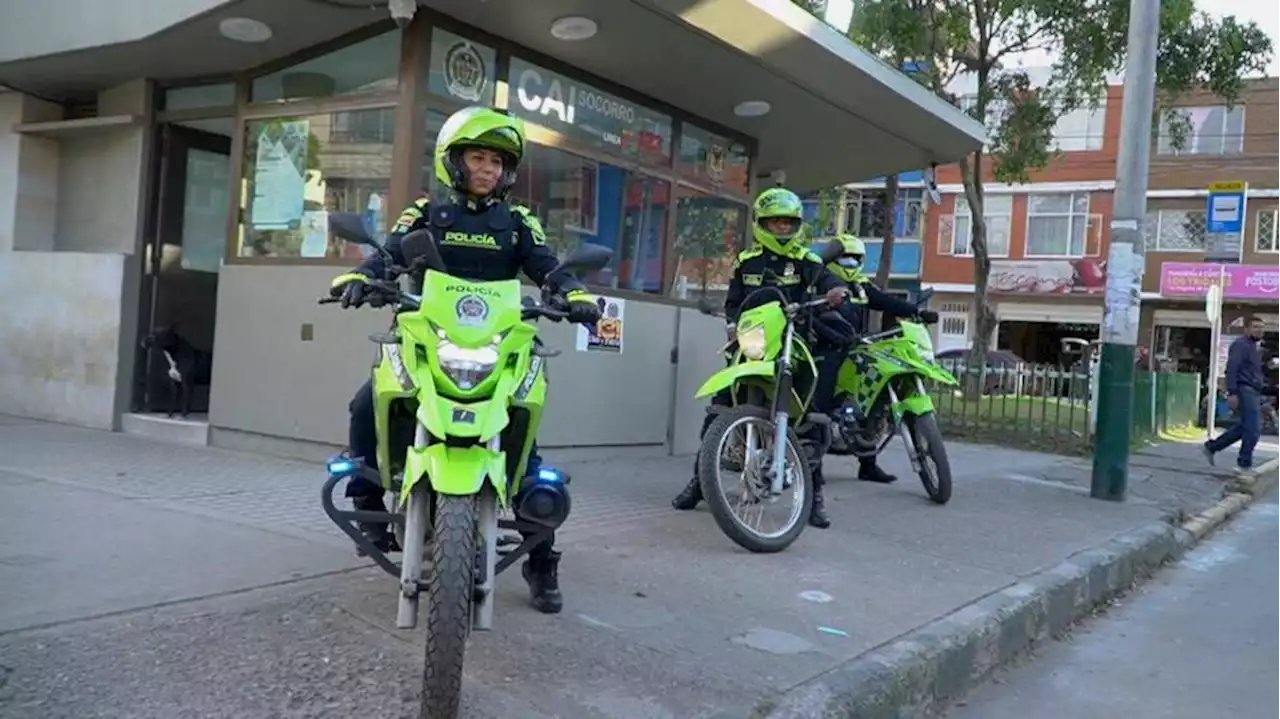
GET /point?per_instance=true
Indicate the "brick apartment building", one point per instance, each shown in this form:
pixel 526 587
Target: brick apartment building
pixel 1049 237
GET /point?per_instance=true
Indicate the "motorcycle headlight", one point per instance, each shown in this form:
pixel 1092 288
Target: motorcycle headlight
pixel 466 367
pixel 752 342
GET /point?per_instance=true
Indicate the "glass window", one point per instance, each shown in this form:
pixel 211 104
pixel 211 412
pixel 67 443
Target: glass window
pixel 955 231
pixel 1175 230
pixel 710 231
pixel 1079 130
pixel 368 66
pixel 1264 232
pixel 430 185
pixel 586 113
pixel 868 214
pixel 295 173
pixel 580 200
pixel 1209 131
pixel 1057 224
pixel 188 98
pixel 709 157
pixel 461 69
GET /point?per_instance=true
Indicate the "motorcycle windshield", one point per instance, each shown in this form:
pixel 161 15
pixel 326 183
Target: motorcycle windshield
pixel 471 314
pixel 918 334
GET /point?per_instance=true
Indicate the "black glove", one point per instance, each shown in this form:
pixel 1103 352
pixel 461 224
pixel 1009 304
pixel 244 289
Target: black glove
pixel 352 291
pixel 928 317
pixel 582 309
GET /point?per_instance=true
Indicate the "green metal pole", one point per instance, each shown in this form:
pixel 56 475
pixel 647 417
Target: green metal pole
pixel 1125 259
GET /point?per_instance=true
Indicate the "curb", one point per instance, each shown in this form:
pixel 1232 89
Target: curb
pixel 936 664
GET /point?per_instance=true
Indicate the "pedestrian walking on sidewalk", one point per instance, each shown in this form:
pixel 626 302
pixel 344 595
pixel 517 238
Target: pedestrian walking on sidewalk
pixel 1244 387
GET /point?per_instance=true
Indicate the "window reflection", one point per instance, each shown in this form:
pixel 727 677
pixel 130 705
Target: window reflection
pixel 580 200
pixel 368 66
pixel 297 169
pixel 710 231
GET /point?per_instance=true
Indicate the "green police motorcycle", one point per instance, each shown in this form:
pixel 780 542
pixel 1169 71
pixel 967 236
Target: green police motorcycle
pixel 766 442
pixel 459 387
pixel 883 391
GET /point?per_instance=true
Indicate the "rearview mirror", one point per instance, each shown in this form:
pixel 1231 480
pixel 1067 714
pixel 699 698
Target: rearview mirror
pixel 588 257
pixel 705 306
pixel 924 296
pixel 350 227
pixel 831 251
pixel 419 248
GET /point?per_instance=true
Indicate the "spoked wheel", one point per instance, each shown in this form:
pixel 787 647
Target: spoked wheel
pixel 450 590
pixel 733 467
pixel 931 455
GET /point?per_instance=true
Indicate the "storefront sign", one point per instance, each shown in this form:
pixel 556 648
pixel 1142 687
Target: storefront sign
pixel 573 107
pixel 1040 277
pixel 461 69
pixel 606 335
pixel 1224 220
pixel 1243 282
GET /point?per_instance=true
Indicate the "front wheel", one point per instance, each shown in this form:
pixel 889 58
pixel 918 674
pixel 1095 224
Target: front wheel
pixel 745 434
pixel 931 456
pixel 450 590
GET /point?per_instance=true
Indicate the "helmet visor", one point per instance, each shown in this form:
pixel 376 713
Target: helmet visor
pixel 781 226
pixel 851 262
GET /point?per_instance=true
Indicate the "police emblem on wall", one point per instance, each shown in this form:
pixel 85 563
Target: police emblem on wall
pixel 715 162
pixel 464 72
pixel 471 311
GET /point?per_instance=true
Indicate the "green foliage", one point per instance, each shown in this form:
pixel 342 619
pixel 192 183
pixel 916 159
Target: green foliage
pixel 1089 39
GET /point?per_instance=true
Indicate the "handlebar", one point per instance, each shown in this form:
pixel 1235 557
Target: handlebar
pixel 531 310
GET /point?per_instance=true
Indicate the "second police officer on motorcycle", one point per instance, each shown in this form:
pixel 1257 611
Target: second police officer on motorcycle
pixel 781 253
pixel 864 298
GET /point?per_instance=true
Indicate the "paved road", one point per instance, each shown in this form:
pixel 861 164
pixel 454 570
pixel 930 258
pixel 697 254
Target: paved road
pixel 1200 641
pixel 148 581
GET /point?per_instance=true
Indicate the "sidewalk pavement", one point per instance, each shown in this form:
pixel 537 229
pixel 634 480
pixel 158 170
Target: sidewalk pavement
pixel 147 580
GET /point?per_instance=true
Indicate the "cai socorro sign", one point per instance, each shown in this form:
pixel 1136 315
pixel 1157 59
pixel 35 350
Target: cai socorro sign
pixel 551 96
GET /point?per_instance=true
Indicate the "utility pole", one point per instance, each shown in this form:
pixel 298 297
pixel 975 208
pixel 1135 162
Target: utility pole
pixel 1125 260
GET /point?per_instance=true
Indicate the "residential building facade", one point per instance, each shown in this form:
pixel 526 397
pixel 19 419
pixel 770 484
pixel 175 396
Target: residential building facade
pixel 1048 238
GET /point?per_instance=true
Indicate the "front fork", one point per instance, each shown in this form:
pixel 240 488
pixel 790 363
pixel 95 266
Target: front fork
pixel 417 517
pixel 913 452
pixel 781 415
pixel 416 521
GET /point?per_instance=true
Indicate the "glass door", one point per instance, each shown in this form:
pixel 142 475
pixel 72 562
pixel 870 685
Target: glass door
pixel 185 251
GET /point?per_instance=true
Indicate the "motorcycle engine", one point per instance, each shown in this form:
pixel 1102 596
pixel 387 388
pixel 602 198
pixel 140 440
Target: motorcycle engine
pixel 543 498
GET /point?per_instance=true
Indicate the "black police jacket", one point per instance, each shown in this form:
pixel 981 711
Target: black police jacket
pixel 865 297
pixel 799 277
pixel 485 244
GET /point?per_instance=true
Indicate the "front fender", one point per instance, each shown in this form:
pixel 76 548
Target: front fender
pixel 917 404
pixel 729 375
pixel 457 471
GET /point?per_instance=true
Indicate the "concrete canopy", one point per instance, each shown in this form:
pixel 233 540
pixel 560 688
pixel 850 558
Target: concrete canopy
pixel 838 114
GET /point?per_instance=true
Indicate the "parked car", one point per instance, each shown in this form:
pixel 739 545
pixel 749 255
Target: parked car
pixel 1002 371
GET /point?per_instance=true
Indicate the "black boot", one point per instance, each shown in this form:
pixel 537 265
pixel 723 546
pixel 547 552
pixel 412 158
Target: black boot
pixel 871 472
pixel 818 516
pixel 689 496
pixel 379 534
pixel 541 574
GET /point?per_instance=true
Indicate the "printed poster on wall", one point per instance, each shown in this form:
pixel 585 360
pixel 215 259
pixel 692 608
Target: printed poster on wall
pixel 315 233
pixel 606 336
pixel 280 175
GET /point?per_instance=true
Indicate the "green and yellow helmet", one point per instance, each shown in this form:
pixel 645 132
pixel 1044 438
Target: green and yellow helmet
pixel 479 127
pixel 777 203
pixel 848 266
